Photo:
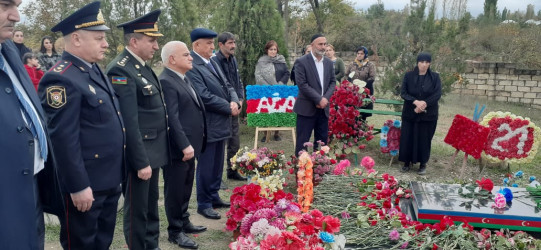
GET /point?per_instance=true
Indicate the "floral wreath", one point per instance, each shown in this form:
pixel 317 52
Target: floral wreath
pixel 390 137
pixel 512 138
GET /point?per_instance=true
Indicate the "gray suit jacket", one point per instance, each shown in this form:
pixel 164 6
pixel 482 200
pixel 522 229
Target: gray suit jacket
pixel 307 79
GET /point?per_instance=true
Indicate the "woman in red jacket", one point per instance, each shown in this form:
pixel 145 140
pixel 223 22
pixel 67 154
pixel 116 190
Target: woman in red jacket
pixel 32 66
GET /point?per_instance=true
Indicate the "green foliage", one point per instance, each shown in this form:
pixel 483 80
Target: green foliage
pixel 255 22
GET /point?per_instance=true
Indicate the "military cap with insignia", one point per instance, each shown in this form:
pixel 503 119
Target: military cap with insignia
pixel 199 33
pixel 88 17
pixel 146 24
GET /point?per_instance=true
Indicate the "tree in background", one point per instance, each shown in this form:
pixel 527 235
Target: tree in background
pixel 178 18
pixel 255 22
pixel 490 11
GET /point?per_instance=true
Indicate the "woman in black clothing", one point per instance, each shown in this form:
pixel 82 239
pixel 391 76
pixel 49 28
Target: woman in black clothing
pixel 47 55
pixel 421 91
pixel 18 39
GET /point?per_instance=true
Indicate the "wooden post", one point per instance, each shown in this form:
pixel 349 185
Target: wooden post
pixel 269 129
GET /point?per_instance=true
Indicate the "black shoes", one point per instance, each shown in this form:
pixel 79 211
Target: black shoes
pixel 277 138
pixel 235 176
pixel 183 241
pixel 191 229
pixel 264 139
pixel 209 213
pixel 422 169
pixel 221 204
pixel 405 168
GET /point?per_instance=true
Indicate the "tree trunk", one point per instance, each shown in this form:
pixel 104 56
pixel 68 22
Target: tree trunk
pixel 316 8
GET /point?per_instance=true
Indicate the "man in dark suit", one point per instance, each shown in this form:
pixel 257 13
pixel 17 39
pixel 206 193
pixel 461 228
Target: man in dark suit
pixel 221 103
pixel 225 58
pixel 24 145
pixel 187 122
pixel 314 75
pixel 143 110
pixel 86 131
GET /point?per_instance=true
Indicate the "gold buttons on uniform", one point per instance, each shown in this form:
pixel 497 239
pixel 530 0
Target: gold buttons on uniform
pixel 146 136
pixel 96 156
pixel 124 146
pixel 100 101
pixel 118 112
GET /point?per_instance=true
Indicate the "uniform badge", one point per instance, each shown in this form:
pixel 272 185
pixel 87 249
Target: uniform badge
pixel 119 80
pixel 56 96
pixel 144 80
pixel 92 89
pixel 149 88
pixel 137 66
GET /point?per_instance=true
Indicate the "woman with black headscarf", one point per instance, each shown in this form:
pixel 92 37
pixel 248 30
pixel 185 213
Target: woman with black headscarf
pixel 421 91
pixel 363 70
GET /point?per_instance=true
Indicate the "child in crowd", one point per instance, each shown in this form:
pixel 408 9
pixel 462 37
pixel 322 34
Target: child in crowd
pixel 32 66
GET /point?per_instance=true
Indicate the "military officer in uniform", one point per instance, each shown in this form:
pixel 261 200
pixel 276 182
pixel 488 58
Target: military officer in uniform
pixel 86 131
pixel 143 108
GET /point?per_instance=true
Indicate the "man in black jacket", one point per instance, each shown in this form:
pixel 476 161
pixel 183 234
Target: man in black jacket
pixel 187 139
pixel 228 63
pixel 221 102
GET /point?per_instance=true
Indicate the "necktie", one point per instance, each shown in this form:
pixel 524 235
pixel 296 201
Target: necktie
pixel 211 67
pixel 31 117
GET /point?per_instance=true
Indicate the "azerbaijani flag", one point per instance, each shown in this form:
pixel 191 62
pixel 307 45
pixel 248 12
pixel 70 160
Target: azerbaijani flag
pixel 271 105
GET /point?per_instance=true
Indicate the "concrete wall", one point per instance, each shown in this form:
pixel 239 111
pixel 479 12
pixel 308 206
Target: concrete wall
pixel 502 82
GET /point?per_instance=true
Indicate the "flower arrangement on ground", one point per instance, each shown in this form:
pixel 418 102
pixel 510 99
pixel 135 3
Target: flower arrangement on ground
pixel 276 221
pixel 390 137
pixel 518 179
pixel 377 222
pixel 322 162
pixel 346 128
pixel 264 160
pixel 512 138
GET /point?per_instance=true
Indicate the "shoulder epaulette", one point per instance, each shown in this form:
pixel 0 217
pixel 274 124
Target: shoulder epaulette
pixel 60 67
pixel 122 62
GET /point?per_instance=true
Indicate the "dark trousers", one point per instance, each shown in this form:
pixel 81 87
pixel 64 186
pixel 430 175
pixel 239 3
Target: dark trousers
pixel 92 229
pixel 319 123
pixel 39 216
pixel 208 174
pixel 233 143
pixel 178 183
pixel 141 218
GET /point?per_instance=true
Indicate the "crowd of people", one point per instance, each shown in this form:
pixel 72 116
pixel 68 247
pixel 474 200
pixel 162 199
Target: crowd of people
pixel 89 135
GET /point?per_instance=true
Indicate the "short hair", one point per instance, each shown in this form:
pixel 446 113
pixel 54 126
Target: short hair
pixel 269 45
pixel 225 36
pixel 129 36
pixel 42 49
pixel 27 56
pixel 169 49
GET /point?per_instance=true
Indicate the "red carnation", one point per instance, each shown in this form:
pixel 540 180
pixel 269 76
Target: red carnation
pixel 485 184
